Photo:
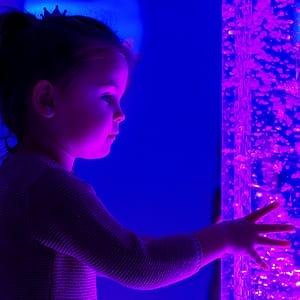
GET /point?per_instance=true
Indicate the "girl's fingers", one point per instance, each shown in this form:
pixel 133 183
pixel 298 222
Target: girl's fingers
pixel 263 228
pixel 273 242
pixel 258 259
pixel 253 217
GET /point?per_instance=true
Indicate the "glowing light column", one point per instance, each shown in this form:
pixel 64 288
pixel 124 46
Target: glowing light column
pixel 261 139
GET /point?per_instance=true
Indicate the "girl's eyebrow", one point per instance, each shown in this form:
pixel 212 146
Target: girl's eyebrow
pixel 107 84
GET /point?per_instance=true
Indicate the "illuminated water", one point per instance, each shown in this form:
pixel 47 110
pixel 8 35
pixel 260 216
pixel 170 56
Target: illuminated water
pixel 261 139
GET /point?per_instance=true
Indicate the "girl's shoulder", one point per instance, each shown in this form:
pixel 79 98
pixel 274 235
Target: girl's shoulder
pixel 60 181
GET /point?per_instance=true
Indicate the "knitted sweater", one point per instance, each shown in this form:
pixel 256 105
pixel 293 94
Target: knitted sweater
pixel 56 236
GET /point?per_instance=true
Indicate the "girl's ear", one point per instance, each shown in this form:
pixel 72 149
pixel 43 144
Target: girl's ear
pixel 43 98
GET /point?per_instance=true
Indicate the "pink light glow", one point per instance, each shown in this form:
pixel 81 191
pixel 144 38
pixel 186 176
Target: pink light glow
pixel 260 139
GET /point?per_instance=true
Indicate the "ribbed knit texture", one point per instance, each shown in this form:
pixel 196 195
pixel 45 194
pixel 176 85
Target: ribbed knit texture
pixel 56 236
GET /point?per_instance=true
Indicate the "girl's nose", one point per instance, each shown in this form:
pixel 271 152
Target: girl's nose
pixel 119 116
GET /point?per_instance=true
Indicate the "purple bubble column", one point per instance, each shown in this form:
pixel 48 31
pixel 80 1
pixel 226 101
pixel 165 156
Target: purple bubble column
pixel 261 139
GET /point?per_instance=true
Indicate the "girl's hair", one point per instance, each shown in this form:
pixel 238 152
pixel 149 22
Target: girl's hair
pixel 51 48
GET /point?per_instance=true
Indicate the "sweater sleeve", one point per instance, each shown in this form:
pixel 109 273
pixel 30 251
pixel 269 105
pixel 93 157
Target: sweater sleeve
pixel 68 217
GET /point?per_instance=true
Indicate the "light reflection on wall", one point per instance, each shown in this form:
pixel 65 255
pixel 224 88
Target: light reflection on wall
pixel 261 139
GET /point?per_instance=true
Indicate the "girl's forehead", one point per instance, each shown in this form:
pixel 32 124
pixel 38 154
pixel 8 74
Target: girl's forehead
pixel 103 66
pixel 99 68
pixel 96 62
pixel 95 59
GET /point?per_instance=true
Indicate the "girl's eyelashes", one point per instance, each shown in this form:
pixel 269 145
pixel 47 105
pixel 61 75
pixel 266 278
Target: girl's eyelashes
pixel 107 98
pixel 110 99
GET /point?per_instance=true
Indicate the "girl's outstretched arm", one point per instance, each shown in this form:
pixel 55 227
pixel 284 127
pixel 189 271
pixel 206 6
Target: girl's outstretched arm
pixel 68 217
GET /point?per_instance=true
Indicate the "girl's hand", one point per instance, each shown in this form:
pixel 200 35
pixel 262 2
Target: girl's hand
pixel 241 235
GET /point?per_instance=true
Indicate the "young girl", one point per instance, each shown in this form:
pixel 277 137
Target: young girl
pixel 61 83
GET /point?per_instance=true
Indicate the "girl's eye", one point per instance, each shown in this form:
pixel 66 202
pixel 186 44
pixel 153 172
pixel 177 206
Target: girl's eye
pixel 107 98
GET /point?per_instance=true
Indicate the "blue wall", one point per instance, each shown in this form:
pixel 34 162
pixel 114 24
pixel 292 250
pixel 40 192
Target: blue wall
pixel 164 168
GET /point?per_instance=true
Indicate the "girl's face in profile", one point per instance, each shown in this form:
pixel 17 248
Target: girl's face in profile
pixel 90 106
